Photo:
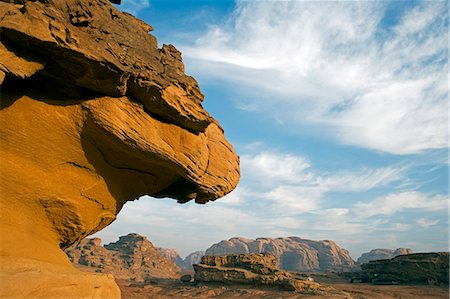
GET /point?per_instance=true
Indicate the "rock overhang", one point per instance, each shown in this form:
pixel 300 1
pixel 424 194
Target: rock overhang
pixel 90 48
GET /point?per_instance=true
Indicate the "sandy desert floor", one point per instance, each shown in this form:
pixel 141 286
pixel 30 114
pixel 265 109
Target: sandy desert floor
pixel 165 289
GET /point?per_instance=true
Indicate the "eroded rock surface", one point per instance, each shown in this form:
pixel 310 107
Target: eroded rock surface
pixel 382 254
pixel 93 114
pixel 295 254
pixel 132 257
pixel 416 268
pixel 252 269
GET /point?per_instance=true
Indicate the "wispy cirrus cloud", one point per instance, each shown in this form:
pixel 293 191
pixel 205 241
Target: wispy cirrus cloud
pixel 398 202
pixel 292 182
pixel 370 83
pixel 424 222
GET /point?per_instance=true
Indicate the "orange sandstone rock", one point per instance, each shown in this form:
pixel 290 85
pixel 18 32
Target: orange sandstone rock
pixel 93 114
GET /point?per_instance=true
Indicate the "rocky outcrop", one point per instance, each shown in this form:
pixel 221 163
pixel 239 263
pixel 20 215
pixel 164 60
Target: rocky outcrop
pixel 251 269
pixel 416 268
pixel 382 254
pixel 93 114
pixel 132 257
pixel 295 254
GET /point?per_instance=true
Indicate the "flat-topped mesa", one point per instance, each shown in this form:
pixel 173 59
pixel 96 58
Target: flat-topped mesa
pixel 253 262
pixel 93 114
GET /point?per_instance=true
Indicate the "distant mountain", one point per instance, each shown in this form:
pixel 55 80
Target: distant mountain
pixel 193 258
pixel 382 254
pixel 132 257
pixel 295 254
pixel 172 254
pixel 189 260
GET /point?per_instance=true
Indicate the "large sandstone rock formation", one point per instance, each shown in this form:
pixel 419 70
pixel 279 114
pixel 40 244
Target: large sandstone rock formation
pixel 132 257
pixel 295 254
pixel 382 254
pixel 253 269
pixel 416 268
pixel 93 114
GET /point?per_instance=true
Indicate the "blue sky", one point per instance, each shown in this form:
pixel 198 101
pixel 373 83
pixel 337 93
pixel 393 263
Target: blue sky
pixel 338 110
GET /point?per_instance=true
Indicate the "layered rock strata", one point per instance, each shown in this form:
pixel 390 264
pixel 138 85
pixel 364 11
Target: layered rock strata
pixel 93 114
pixel 295 254
pixel 416 268
pixel 132 257
pixel 251 269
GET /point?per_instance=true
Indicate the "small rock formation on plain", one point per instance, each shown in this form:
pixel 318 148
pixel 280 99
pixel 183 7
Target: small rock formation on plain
pixel 254 269
pixel 295 254
pixel 93 114
pixel 416 268
pixel 382 254
pixel 132 257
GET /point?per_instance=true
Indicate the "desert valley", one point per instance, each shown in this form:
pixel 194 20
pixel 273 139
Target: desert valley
pixel 263 268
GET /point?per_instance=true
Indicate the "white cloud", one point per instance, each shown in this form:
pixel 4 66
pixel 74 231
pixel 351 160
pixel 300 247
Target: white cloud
pixel 275 167
pixel 398 202
pixel 133 6
pixel 371 86
pixel 426 223
pixel 291 184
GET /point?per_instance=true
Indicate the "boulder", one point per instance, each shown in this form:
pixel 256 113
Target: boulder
pixel 93 114
pixel 186 278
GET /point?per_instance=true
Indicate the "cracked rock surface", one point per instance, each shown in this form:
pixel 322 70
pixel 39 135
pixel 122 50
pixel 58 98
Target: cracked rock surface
pixel 93 114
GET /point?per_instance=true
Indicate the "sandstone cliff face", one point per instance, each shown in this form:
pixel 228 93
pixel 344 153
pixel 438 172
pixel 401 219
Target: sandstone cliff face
pixel 416 268
pixel 132 257
pixel 295 254
pixel 93 114
pixel 382 254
